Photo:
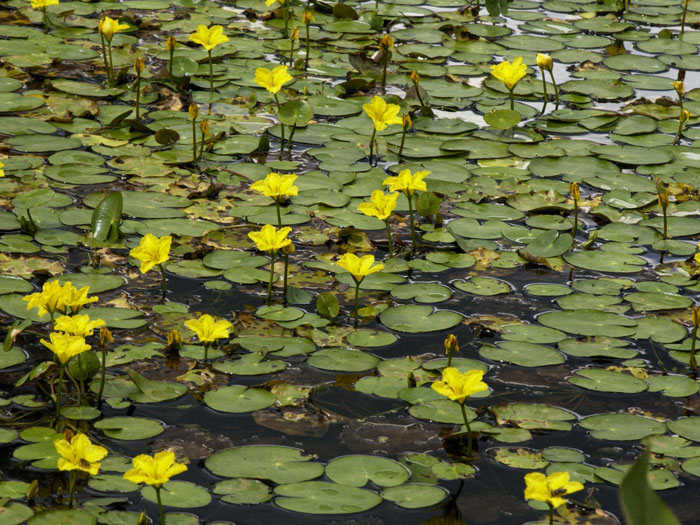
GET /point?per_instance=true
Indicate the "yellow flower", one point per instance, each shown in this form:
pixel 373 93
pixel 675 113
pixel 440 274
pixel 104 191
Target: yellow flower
pixel 458 386
pixel 451 344
pixel 65 346
pixel 270 239
pixel 358 267
pixel 272 80
pixel 407 183
pixel 138 65
pixel 307 17
pixel 170 43
pixel 685 115
pixel 268 3
pixel 276 186
pixel 549 489
pixel 544 61
pixel 2 171
pixel 204 127
pixel 151 251
pixel 509 73
pixel 50 300
pixel 382 114
pixel 154 470
pixel 380 206
pixel 79 454
pixel 679 86
pixel 43 4
pixel 208 37
pixel 76 299
pixel 108 27
pixel 294 33
pixel 208 328
pixel 575 193
pixel 80 325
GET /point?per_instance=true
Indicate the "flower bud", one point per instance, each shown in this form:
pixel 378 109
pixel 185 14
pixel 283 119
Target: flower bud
pixel 406 121
pixel 544 61
pixel 204 127
pixel 662 197
pixel 105 336
pixel 415 77
pixel 289 249
pixel 170 44
pixel 174 339
pixel 138 65
pixel 294 33
pixel 685 115
pixel 386 43
pixel 695 313
pixel 451 344
pixel 307 18
pixel 193 110
pixel 679 86
pixel 575 194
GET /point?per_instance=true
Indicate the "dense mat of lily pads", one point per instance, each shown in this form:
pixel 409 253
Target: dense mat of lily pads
pixel 526 180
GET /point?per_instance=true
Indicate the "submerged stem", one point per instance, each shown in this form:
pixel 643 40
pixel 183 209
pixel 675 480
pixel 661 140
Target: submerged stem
pixel 469 430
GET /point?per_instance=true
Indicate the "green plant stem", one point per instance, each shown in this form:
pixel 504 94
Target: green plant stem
pixel 163 283
pixel 371 146
pixel 551 509
pixel 161 515
pixel 449 358
pixel 138 95
pixel 403 140
pixel 693 364
pixel 544 88
pixel 170 63
pixel 201 152
pixel 104 56
pixel 420 99
pixel 58 391
pixel 675 139
pixel 286 271
pixel 469 430
pixel 71 488
pixel 194 141
pixel 206 351
pixel 46 18
pixel 556 89
pixel 286 18
pixel 308 47
pixel 291 136
pixel 663 209
pixel 388 236
pixel 385 64
pixel 575 228
pixel 279 109
pixel 103 371
pixel 413 228
pixel 291 53
pixel 111 63
pixel 376 6
pixel 279 214
pixel 685 12
pixel 512 99
pixel 357 298
pixel 211 82
pixel 272 276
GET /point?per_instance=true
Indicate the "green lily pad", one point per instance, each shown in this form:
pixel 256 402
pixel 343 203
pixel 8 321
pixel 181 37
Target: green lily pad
pixel 621 427
pixel 130 428
pixel 414 495
pixel 268 462
pixel 242 491
pixel 356 471
pixel 179 494
pixel 418 319
pixel 607 381
pixel 237 399
pixel 322 497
